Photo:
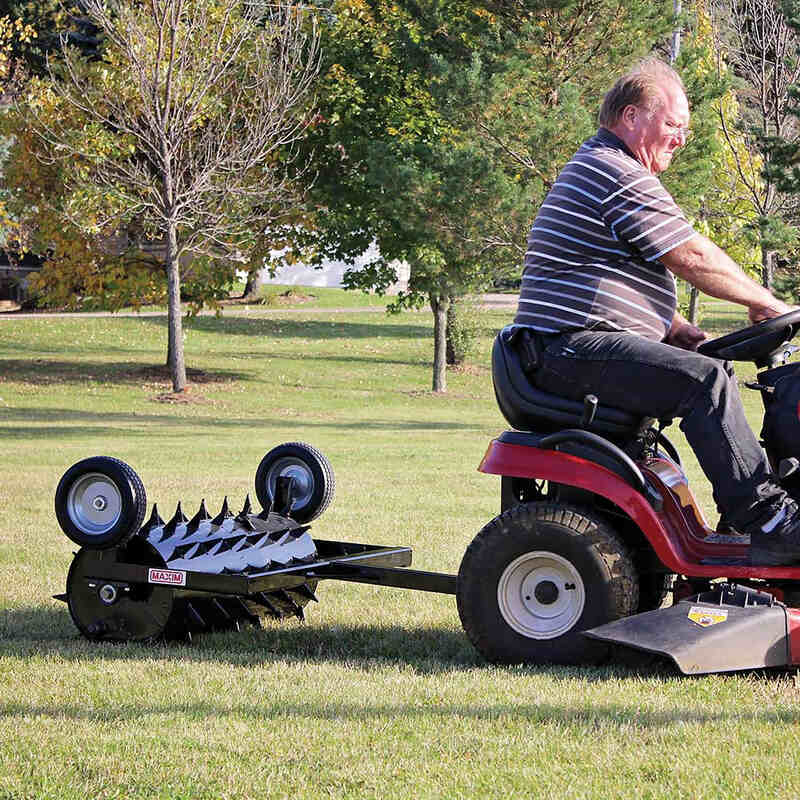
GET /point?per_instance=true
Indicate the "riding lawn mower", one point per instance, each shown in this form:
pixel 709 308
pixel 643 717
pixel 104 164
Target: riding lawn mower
pixel 600 547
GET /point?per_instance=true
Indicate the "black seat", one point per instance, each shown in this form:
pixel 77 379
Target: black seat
pixel 527 408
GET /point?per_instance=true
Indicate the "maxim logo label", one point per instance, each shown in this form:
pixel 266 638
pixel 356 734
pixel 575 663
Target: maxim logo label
pixel 171 577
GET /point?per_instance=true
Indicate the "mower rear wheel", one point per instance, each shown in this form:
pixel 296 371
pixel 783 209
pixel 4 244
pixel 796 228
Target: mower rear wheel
pixel 537 576
pixel 653 590
pixel 314 482
pixel 100 502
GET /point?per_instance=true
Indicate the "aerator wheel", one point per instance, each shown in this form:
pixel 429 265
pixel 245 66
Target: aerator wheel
pixel 313 479
pixel 112 611
pixel 538 575
pixel 100 502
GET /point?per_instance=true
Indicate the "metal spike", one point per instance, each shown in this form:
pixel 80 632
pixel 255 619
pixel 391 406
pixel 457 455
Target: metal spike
pixel 304 590
pixel 267 510
pixel 64 598
pixel 205 547
pixel 252 539
pixel 221 609
pixel 262 598
pixel 229 544
pixel 181 550
pixel 289 600
pixel 298 532
pixel 155 521
pixel 246 524
pixel 224 514
pixel 247 614
pixel 194 615
pixel 201 516
pixel 177 519
pixel 246 508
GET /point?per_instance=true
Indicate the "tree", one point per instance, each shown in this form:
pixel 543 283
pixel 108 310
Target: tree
pixel 181 131
pixel 390 166
pixel 760 46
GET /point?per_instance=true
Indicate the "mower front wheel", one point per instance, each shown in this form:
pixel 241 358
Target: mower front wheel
pixel 537 576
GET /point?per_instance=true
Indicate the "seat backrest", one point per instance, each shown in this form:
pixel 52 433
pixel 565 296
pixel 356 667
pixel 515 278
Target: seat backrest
pixel 527 408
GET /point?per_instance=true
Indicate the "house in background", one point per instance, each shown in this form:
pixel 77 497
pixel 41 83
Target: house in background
pixel 331 273
pixel 14 272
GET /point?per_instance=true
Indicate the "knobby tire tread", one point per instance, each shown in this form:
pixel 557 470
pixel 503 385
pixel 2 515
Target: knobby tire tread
pixel 623 584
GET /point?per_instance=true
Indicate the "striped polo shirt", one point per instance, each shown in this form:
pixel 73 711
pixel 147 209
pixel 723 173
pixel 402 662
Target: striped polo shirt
pixel 592 257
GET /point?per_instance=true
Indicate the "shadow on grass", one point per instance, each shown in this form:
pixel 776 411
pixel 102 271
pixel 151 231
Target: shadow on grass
pixel 55 423
pixel 47 372
pixel 282 327
pixel 46 631
pixel 49 631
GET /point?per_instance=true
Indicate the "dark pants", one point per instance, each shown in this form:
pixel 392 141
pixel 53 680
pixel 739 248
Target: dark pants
pixel 658 380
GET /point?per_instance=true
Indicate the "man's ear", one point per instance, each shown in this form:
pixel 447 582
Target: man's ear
pixel 629 115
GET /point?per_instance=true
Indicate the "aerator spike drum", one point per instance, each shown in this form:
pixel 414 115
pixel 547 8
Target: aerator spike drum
pixel 134 581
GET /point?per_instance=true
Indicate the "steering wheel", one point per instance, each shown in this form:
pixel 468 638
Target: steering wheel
pixel 755 343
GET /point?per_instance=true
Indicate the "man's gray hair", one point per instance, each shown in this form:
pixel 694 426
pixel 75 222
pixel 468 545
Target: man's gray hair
pixel 639 87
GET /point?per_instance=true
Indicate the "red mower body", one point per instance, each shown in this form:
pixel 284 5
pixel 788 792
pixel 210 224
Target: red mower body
pixel 677 533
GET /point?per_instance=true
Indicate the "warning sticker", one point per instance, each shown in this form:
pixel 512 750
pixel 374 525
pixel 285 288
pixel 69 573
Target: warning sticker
pixel 706 617
pixel 172 577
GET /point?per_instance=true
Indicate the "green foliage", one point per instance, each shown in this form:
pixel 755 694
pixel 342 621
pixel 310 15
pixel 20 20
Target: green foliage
pixel 464 325
pixel 51 19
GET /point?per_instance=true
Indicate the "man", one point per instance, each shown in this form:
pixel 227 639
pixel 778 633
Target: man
pixel 598 287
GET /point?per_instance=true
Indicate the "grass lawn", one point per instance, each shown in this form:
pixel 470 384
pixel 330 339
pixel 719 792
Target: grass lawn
pixel 378 694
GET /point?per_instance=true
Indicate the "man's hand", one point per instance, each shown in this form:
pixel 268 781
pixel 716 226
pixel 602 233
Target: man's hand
pixel 683 334
pixel 758 313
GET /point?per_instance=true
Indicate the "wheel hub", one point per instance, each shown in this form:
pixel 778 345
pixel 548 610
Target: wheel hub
pixel 94 504
pixel 541 595
pixel 303 487
pixel 545 593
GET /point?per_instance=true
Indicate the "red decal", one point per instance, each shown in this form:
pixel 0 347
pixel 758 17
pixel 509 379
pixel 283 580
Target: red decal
pixel 793 625
pixel 171 577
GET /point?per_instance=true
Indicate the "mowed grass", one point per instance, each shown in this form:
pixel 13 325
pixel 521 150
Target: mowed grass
pixel 378 694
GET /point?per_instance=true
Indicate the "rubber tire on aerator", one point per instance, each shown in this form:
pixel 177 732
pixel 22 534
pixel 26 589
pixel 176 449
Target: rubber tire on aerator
pixel 100 502
pixel 538 575
pixel 313 474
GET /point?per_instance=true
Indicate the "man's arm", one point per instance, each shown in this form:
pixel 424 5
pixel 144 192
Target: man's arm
pixel 711 270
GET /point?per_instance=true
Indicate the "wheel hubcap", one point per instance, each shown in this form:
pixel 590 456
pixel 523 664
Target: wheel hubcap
pixel 303 488
pixel 541 595
pixel 94 504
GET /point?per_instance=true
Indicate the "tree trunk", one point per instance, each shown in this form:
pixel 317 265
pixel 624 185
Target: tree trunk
pixel 675 46
pixel 252 283
pixel 694 304
pixel 177 367
pixel 454 357
pixel 767 267
pixel 439 306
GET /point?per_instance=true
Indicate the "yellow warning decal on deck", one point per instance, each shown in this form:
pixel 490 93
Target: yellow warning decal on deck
pixel 706 617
